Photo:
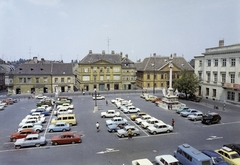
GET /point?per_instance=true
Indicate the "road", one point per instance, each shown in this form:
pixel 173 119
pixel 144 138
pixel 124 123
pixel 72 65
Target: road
pixel 104 148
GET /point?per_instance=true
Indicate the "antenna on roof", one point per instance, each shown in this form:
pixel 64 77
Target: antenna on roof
pixel 30 53
pixel 108 39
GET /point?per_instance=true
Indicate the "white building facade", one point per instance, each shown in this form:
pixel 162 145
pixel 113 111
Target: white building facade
pixel 219 71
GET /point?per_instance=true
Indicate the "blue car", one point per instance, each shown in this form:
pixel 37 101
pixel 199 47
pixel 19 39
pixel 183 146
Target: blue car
pixel 59 126
pixel 116 127
pixel 215 157
pixel 41 110
pixel 188 112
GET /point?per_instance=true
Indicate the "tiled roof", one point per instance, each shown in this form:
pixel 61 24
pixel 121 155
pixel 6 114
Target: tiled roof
pixel 129 63
pixel 160 62
pixel 92 58
pixel 62 68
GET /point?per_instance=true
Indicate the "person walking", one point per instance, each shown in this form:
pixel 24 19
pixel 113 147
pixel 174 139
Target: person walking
pixel 97 126
pixel 129 133
pixel 173 122
pixel 106 102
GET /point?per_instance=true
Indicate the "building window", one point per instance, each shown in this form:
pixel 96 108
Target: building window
pixel 37 79
pixel 215 77
pixel 20 80
pixel 116 70
pixel 108 70
pixel 62 80
pixel 24 80
pixel 214 93
pixel 233 62
pixel 116 77
pixel 208 77
pixel 200 63
pixel 224 62
pixel 223 78
pixel 208 62
pixel 161 84
pixel 101 70
pixel 86 78
pixel 95 69
pixel 45 80
pixel 161 76
pixel 29 80
pixel 200 75
pixel 148 76
pixel 108 78
pixel 94 78
pixel 207 91
pixel 231 96
pixel 232 76
pixel 68 80
pixel 148 85
pixel 85 70
pixel 216 62
pixel 154 76
pixel 101 78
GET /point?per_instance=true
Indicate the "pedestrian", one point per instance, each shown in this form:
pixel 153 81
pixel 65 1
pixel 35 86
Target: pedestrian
pixel 171 106
pixel 129 133
pixel 106 102
pixel 97 126
pixel 173 121
pixel 168 106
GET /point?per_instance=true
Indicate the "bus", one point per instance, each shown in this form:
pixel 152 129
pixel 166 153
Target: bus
pixel 187 155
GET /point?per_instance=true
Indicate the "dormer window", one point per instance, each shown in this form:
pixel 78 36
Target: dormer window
pixel 31 68
pixel 20 68
pixel 41 69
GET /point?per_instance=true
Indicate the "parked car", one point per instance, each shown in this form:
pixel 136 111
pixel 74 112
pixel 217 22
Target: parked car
pixel 116 120
pixel 143 118
pixel 131 109
pixel 125 106
pixel 2 107
pixel 22 134
pixel 59 126
pixel 8 102
pixel 150 97
pixel 34 121
pixel 13 100
pixel 41 110
pixel 123 102
pixel 166 160
pixel 234 147
pixel 30 140
pixel 196 116
pixel 36 116
pixel 66 105
pixel 66 138
pixel 63 110
pixel 156 99
pixel 137 115
pixel 160 128
pixel 215 157
pixel 150 122
pixel 188 112
pixel 110 113
pixel 144 161
pixel 98 97
pixel 182 109
pixel 36 128
pixel 124 132
pixel 230 156
pixel 116 100
pixel 211 118
pixel 116 127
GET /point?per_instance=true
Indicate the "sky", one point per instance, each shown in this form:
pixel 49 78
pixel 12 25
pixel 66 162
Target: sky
pixel 67 29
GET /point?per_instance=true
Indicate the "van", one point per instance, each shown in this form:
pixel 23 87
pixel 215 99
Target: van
pixel 188 155
pixel 68 118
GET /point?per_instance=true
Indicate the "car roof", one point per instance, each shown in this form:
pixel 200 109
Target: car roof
pixel 28 124
pixel 160 124
pixel 210 153
pixel 32 135
pixel 169 158
pixel 68 133
pixel 60 122
pixel 213 113
pixel 26 130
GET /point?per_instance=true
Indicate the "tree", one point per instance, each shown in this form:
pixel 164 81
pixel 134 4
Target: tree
pixel 188 83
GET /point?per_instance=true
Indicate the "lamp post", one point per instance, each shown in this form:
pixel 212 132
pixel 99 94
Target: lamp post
pixel 95 107
pixel 153 65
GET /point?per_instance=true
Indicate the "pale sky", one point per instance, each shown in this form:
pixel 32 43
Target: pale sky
pixel 67 29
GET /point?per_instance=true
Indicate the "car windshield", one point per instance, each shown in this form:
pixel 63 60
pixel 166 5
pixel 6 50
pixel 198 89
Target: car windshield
pixel 234 156
pixel 217 160
pixel 208 117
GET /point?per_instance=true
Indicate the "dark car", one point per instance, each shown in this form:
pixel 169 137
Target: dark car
pixel 215 157
pixel 211 118
pixel 234 147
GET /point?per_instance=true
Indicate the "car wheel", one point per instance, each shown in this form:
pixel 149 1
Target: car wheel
pixel 128 112
pixel 73 142
pixel 38 131
pixel 122 136
pixel 50 130
pixel 37 145
pixel 17 147
pixel 154 133
pixel 80 141
pixel 134 134
pixel 55 143
pixel 195 119
pixel 104 116
pixel 70 124
pixel 168 131
pixel 113 130
pixel 13 140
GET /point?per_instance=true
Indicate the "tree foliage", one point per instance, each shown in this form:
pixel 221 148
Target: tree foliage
pixel 188 83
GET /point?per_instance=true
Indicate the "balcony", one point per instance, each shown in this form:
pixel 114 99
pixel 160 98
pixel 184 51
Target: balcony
pixel 231 86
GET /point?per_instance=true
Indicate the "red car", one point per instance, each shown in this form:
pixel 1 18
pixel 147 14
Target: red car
pixel 66 138
pixel 22 134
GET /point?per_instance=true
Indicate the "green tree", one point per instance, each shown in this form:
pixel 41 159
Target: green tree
pixel 188 83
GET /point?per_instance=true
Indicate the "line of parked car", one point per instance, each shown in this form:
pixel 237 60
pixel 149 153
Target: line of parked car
pixel 188 155
pixel 5 102
pixel 29 129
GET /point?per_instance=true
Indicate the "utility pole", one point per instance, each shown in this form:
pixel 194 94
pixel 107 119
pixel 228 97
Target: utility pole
pixel 30 53
pixel 108 39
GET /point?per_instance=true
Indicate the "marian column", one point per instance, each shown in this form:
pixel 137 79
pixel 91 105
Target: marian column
pixel 170 89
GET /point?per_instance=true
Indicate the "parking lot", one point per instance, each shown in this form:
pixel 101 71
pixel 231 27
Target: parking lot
pixel 103 148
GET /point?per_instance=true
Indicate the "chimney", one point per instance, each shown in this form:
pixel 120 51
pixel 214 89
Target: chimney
pixel 126 55
pixel 174 55
pixel 90 51
pixel 103 52
pixel 221 43
pixel 34 60
pixel 154 54
pixel 113 52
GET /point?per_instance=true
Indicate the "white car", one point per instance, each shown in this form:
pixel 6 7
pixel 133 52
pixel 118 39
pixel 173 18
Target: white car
pixel 63 110
pixel 166 160
pixel 116 100
pixel 36 116
pixel 144 161
pixel 150 122
pixel 36 128
pixel 66 105
pixel 160 128
pixel 33 121
pixel 143 118
pixel 123 102
pixel 2 107
pixel 196 116
pixel 3 104
pixel 131 109
pixel 110 113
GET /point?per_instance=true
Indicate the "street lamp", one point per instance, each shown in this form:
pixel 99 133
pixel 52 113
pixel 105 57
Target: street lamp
pixel 153 65
pixel 95 97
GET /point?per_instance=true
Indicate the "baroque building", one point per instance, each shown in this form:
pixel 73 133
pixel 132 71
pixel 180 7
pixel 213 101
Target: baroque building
pixel 219 71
